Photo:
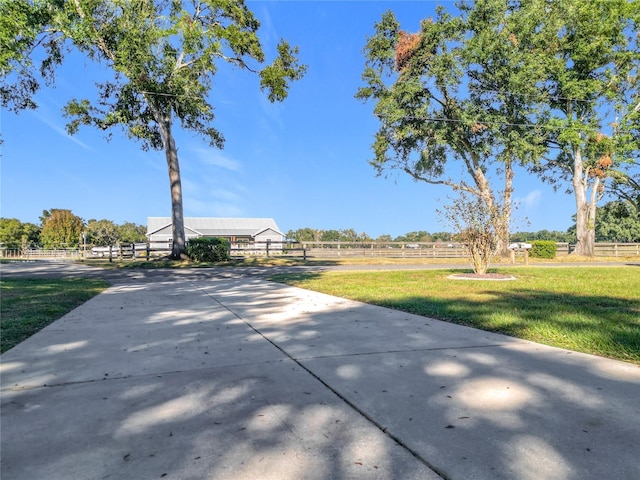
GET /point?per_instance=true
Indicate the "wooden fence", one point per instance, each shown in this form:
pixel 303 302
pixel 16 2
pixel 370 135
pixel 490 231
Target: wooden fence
pixel 37 254
pixel 617 249
pixel 384 249
pixel 441 249
pixel 307 250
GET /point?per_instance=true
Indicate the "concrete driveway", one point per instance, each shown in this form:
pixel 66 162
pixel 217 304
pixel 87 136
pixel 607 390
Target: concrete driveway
pixel 220 374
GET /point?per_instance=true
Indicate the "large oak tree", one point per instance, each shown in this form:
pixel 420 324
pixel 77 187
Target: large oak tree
pixel 162 55
pixel 454 100
pixel 552 86
pixel 590 101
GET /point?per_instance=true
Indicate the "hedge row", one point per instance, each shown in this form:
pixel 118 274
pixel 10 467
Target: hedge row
pixel 209 249
pixel 543 249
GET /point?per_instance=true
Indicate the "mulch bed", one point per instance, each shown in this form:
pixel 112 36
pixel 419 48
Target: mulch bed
pixel 486 276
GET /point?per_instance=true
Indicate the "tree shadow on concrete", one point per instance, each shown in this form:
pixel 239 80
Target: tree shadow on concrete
pixel 232 377
pixel 159 380
pixel 472 404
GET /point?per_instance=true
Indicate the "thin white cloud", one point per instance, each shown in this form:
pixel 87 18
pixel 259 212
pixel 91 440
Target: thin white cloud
pixel 189 185
pixel 56 128
pixel 272 121
pixel 217 159
pixel 226 195
pixel 214 195
pixel 204 208
pixel 532 199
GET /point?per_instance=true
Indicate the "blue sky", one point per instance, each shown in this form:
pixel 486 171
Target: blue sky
pixel 302 162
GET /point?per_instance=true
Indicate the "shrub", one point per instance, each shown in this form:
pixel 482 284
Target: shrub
pixel 543 249
pixel 208 249
pixel 475 224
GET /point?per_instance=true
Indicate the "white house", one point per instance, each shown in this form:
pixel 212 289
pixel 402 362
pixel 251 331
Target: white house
pixel 236 230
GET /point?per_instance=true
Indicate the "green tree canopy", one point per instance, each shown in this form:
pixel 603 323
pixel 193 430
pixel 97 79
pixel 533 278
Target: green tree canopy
pixel 552 86
pixel 418 236
pixel 442 236
pixel 130 232
pixel 456 97
pixel 14 234
pixel 542 235
pixel 30 235
pixel 10 233
pixel 23 28
pixel 304 234
pixel 330 236
pixel 618 221
pixel 627 187
pixel 102 232
pixel 61 229
pixel 385 237
pixel 590 103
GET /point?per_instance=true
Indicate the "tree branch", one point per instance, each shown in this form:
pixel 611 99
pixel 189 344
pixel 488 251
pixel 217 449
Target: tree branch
pixel 101 43
pixel 456 186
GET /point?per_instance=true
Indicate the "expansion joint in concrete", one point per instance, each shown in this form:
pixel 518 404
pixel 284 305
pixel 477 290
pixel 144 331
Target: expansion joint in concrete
pixel 354 407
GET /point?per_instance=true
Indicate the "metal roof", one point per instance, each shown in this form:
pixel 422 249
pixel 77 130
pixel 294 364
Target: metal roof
pixel 217 226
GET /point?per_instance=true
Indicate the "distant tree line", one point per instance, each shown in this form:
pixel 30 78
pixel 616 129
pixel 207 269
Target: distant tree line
pixel 617 221
pixel 349 235
pixel 60 228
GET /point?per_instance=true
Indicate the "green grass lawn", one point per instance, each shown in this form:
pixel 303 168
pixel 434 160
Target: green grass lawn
pixel 29 305
pixel 588 309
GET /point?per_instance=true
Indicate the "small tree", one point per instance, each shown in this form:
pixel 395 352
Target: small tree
pixel 475 225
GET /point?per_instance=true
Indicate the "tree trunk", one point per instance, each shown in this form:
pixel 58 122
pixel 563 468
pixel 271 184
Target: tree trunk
pixel 585 209
pixel 501 214
pixel 163 119
pixel 179 245
pixel 504 212
pixel 179 248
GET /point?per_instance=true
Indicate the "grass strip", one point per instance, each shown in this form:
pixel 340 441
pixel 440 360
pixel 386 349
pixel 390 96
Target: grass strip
pixel 28 305
pixel 587 309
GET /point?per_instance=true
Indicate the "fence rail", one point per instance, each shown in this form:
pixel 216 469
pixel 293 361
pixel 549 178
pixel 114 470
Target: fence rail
pixel 384 249
pixel 306 250
pixel 37 254
pixel 617 249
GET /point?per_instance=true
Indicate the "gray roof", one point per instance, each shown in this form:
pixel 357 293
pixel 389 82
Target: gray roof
pixel 217 226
